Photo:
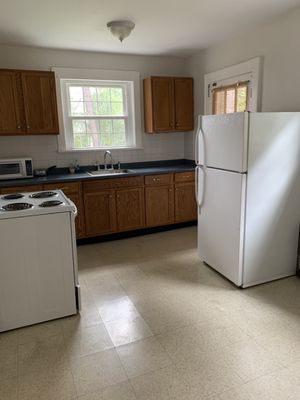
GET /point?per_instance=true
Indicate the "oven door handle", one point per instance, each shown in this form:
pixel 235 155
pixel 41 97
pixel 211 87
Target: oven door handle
pixel 74 211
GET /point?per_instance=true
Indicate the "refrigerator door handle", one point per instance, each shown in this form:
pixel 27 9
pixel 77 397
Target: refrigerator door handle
pixel 202 187
pixel 200 198
pixel 197 141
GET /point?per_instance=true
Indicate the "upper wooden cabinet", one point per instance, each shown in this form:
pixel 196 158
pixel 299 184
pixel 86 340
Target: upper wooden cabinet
pixel 27 103
pixel 168 104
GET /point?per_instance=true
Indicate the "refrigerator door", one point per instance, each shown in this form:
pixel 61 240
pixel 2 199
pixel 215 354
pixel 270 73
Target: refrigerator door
pixel 221 196
pixel 222 141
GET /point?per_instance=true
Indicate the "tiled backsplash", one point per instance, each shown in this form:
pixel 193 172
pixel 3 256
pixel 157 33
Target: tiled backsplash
pixel 44 150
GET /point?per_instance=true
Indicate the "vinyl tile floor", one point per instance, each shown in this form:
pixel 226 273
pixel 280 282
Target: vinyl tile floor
pixel 156 324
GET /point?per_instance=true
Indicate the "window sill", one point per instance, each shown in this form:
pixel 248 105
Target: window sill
pixel 100 149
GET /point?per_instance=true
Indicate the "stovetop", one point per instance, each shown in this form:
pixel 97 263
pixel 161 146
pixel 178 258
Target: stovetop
pixel 34 203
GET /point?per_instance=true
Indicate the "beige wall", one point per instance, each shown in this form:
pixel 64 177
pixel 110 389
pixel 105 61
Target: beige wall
pixel 277 44
pixel 44 149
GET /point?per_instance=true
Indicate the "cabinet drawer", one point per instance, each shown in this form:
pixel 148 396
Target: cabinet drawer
pixel 185 176
pixel 96 185
pixel 21 189
pixel 66 187
pixel 162 179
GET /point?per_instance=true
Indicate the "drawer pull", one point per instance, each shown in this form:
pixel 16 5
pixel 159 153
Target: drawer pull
pixel 156 179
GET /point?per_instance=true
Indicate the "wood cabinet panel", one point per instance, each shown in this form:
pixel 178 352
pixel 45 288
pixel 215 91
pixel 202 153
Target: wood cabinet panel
pixel 21 189
pixel 184 104
pixel 100 212
pixel 40 102
pixel 163 104
pixel 79 220
pixel 27 103
pixel 66 187
pixel 10 110
pixel 158 179
pixel 168 104
pixel 159 205
pixel 185 176
pixel 130 209
pixel 96 185
pixel 185 202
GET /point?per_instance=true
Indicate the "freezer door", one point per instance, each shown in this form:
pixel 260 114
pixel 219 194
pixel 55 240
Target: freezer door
pixel 222 141
pixel 221 221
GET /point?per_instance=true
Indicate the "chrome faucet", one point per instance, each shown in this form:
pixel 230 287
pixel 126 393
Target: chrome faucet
pixel 106 154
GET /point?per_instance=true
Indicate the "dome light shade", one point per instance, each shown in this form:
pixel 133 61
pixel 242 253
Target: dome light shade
pixel 121 29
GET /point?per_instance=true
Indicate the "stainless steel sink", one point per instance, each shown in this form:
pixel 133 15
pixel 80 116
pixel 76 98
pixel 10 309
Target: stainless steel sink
pixel 106 172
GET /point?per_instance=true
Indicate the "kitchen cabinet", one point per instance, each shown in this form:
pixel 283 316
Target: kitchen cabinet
pixel 73 190
pixel 100 212
pixel 28 103
pixel 168 104
pixel 113 205
pixel 10 107
pixel 159 200
pixel 130 209
pixel 184 196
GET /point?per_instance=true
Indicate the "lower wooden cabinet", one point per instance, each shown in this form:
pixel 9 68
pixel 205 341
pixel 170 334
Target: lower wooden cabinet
pixel 159 205
pixel 100 212
pixel 130 209
pixel 124 204
pixel 185 202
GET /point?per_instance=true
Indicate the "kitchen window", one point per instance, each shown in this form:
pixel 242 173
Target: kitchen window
pixel 98 113
pixel 230 99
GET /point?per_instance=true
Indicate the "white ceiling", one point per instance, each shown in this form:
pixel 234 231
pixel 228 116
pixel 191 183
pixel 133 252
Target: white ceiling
pixel 171 27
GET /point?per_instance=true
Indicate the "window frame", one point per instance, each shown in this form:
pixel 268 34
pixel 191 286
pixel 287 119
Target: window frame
pixel 246 71
pixel 130 80
pixel 225 89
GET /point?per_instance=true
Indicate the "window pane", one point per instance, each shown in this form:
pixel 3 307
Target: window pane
pixel 241 99
pixel 75 93
pixel 92 126
pixel 103 94
pixel 79 126
pixel 90 94
pixel 219 102
pixel 116 94
pixel 119 126
pixel 77 108
pixel 104 108
pixel 91 108
pixel 106 126
pixel 117 109
pixel 230 101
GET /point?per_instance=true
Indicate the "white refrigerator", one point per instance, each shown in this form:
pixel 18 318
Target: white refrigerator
pixel 248 195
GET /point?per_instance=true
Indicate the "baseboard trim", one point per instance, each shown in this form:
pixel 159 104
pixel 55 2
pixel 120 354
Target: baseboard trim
pixel 130 234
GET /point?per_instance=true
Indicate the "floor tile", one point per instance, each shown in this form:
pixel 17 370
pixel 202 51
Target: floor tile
pixel 87 341
pixel 121 391
pixel 9 389
pixel 97 371
pixel 8 363
pixel 127 330
pixel 116 309
pixel 40 331
pixel 143 356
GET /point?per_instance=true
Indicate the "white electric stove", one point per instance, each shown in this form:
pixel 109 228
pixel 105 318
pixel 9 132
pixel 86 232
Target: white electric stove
pixel 38 258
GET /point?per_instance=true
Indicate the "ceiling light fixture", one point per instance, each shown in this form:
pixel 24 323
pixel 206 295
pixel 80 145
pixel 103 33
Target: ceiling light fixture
pixel 120 29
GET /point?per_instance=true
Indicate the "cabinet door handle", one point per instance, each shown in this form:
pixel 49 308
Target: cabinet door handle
pixel 110 196
pixel 170 190
pixel 28 127
pixel 19 126
pixel 118 196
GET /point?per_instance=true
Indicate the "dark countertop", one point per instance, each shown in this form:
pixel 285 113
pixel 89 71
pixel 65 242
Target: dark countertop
pixel 143 168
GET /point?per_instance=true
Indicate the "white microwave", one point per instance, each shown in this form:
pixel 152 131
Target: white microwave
pixel 16 168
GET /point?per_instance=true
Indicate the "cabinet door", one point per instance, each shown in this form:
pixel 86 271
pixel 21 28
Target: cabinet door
pixel 163 104
pixel 100 212
pixel 184 104
pixel 185 202
pixel 40 102
pixel 10 113
pixel 79 221
pixel 130 209
pixel 159 205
